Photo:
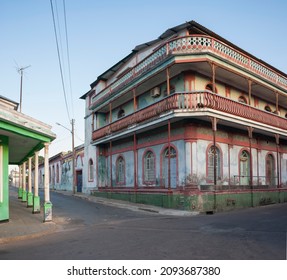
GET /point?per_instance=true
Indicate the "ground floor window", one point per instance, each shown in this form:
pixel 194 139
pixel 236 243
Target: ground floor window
pixel 120 170
pixel 213 157
pixel 149 167
pixel 91 170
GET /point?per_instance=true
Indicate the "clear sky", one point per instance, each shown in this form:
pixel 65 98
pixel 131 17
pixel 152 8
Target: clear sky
pixel 102 32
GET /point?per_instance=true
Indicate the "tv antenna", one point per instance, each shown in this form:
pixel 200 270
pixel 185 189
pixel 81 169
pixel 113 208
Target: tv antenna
pixel 20 71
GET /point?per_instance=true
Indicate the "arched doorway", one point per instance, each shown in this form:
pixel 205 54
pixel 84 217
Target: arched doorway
pixel 169 154
pixel 244 168
pixel 270 170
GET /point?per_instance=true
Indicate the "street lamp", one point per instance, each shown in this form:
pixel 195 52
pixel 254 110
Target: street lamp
pixel 73 150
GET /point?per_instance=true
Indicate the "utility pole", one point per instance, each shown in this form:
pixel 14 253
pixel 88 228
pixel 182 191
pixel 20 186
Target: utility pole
pixel 74 155
pixel 20 70
pixel 73 152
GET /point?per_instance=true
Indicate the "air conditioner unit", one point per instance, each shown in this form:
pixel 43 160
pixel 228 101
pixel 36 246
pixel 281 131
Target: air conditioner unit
pixel 155 92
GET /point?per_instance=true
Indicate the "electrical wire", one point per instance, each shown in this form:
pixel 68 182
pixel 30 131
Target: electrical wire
pixel 68 56
pixel 59 60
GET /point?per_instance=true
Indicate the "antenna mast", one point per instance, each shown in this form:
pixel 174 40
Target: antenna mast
pixel 21 70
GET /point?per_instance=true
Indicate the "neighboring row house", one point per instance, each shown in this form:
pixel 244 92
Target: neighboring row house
pixel 190 121
pixel 61 170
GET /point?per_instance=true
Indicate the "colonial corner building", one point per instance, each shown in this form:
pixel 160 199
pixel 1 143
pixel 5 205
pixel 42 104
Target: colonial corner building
pixel 21 139
pixel 188 121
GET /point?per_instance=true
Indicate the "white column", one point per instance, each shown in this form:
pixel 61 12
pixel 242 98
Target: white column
pixel 47 203
pixel 24 193
pixel 20 189
pixel 46 172
pixel 36 175
pixel 36 198
pixel 30 194
pixel 24 176
pixel 30 175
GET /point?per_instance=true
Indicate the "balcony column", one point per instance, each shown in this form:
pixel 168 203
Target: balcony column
pixel 111 165
pixel 24 192
pixel 135 100
pixel 277 137
pixel 249 91
pixel 168 126
pixel 277 105
pixel 36 199
pixel 30 194
pixel 47 203
pixel 213 66
pixel 135 163
pixel 167 81
pixel 20 189
pixel 111 117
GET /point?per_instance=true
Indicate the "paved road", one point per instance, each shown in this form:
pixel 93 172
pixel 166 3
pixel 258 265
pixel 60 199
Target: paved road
pixel 87 230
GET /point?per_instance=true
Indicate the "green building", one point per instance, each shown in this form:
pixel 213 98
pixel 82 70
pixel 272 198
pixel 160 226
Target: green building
pixel 21 138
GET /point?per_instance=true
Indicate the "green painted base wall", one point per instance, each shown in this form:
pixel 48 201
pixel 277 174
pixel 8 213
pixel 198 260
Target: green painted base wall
pixel 4 205
pixel 203 201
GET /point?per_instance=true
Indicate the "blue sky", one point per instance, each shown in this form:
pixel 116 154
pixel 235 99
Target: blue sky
pixel 101 33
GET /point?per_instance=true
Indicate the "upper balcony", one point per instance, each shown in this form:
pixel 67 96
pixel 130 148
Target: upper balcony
pixel 192 45
pixel 201 105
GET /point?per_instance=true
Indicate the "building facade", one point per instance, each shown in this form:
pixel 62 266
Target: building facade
pixel 21 139
pixel 61 171
pixel 188 121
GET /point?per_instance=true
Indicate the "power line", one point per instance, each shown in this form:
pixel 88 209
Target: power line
pixel 59 60
pixel 68 56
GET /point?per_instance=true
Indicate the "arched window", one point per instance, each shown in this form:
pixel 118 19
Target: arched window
pixel 91 170
pixel 149 167
pixel 267 108
pixel 121 113
pixel 120 170
pixel 210 87
pixel 242 99
pixel 213 152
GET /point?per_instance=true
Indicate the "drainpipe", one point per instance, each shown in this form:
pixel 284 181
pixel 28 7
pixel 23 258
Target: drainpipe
pixel 277 137
pixel 169 155
pixel 250 131
pixel 111 164
pixel 135 163
pixel 214 128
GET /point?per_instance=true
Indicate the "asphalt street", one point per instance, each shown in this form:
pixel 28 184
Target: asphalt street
pixel 87 229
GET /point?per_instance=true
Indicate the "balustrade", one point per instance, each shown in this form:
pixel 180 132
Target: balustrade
pixel 192 44
pixel 191 102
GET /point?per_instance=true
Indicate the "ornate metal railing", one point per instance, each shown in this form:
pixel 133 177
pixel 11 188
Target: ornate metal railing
pixel 192 44
pixel 192 102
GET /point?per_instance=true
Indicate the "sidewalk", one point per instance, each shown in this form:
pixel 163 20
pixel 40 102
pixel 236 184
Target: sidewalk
pixel 23 224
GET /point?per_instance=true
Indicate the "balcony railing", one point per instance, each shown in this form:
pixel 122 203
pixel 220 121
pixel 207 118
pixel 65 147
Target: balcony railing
pixel 192 44
pixel 190 102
